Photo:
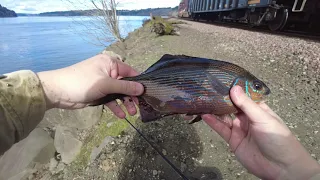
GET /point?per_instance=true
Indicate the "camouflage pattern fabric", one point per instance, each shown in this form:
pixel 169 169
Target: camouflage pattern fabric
pixel 22 106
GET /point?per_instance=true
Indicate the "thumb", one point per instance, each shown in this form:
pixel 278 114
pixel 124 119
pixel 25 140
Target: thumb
pixel 254 112
pixel 129 88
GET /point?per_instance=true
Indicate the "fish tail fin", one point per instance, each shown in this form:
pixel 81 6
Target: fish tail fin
pixel 108 98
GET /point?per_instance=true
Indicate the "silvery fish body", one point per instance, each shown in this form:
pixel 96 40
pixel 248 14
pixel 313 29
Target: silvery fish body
pixel 179 84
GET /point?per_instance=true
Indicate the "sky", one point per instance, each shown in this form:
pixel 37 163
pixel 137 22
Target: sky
pixel 38 6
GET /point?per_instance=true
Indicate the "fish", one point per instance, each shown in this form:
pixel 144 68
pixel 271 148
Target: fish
pixel 186 85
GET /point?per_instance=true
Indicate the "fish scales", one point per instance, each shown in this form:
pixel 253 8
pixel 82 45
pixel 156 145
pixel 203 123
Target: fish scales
pixel 162 77
pixel 155 89
pixel 190 85
pixel 186 81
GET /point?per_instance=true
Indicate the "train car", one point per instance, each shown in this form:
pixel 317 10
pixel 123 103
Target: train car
pixel 276 14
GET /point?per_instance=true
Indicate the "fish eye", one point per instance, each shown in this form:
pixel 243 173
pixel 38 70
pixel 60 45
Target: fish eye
pixel 257 85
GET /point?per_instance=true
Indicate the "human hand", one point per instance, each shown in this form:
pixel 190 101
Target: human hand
pixel 262 143
pixel 78 85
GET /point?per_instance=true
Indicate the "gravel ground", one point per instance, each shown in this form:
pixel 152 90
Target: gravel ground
pixel 289 66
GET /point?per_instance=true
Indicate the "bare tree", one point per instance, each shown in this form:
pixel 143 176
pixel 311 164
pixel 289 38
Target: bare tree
pixel 110 17
pixel 103 27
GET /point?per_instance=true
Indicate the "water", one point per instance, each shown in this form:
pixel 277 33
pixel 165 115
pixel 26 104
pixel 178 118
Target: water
pixel 46 43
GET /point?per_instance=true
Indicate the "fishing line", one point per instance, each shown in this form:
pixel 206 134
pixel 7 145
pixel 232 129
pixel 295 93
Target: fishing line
pixel 160 153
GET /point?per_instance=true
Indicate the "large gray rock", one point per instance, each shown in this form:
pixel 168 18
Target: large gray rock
pixel 67 144
pixel 19 161
pixel 80 119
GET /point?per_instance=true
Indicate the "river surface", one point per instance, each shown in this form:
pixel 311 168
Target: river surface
pixel 46 43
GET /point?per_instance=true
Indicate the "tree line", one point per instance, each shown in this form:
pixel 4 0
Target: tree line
pixel 4 12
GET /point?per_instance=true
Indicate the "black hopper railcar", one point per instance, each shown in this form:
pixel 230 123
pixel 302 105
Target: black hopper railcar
pixel 276 14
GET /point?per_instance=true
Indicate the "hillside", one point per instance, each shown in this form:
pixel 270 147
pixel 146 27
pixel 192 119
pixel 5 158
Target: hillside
pixel 4 12
pixel 146 12
pixel 141 12
pixel 69 13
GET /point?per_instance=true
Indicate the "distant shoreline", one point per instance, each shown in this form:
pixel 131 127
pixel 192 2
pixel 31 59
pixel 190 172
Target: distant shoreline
pixel 74 16
pixel 93 12
pixel 6 13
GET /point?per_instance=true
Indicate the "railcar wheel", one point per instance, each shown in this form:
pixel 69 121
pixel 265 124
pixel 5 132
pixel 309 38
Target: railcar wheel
pixel 280 20
pixel 193 16
pixel 220 17
pixel 252 20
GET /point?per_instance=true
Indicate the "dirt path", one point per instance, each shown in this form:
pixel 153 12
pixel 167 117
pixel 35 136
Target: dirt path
pixel 288 65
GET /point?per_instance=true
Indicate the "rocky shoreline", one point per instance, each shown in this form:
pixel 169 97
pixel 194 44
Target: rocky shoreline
pixel 107 148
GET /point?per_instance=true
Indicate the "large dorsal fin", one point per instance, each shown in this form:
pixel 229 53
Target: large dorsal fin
pixel 164 59
pixel 168 57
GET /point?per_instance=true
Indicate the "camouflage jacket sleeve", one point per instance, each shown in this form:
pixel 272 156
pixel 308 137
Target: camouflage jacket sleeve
pixel 22 106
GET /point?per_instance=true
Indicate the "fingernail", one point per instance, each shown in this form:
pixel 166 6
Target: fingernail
pixel 139 89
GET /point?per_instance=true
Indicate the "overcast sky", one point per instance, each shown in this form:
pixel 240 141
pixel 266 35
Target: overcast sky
pixel 38 6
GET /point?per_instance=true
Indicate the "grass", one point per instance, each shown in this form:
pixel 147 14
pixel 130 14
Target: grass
pixel 177 22
pixel 160 26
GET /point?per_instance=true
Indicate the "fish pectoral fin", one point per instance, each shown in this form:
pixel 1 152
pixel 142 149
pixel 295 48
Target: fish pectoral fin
pixel 148 113
pixel 218 85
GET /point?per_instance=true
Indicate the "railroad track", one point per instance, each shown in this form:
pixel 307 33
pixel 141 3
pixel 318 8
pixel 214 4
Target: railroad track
pixel 314 36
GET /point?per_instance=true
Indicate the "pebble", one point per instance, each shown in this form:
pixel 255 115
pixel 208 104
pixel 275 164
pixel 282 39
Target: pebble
pixel 164 152
pixel 183 167
pixel 53 164
pixel 110 124
pixel 154 172
pixel 60 167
